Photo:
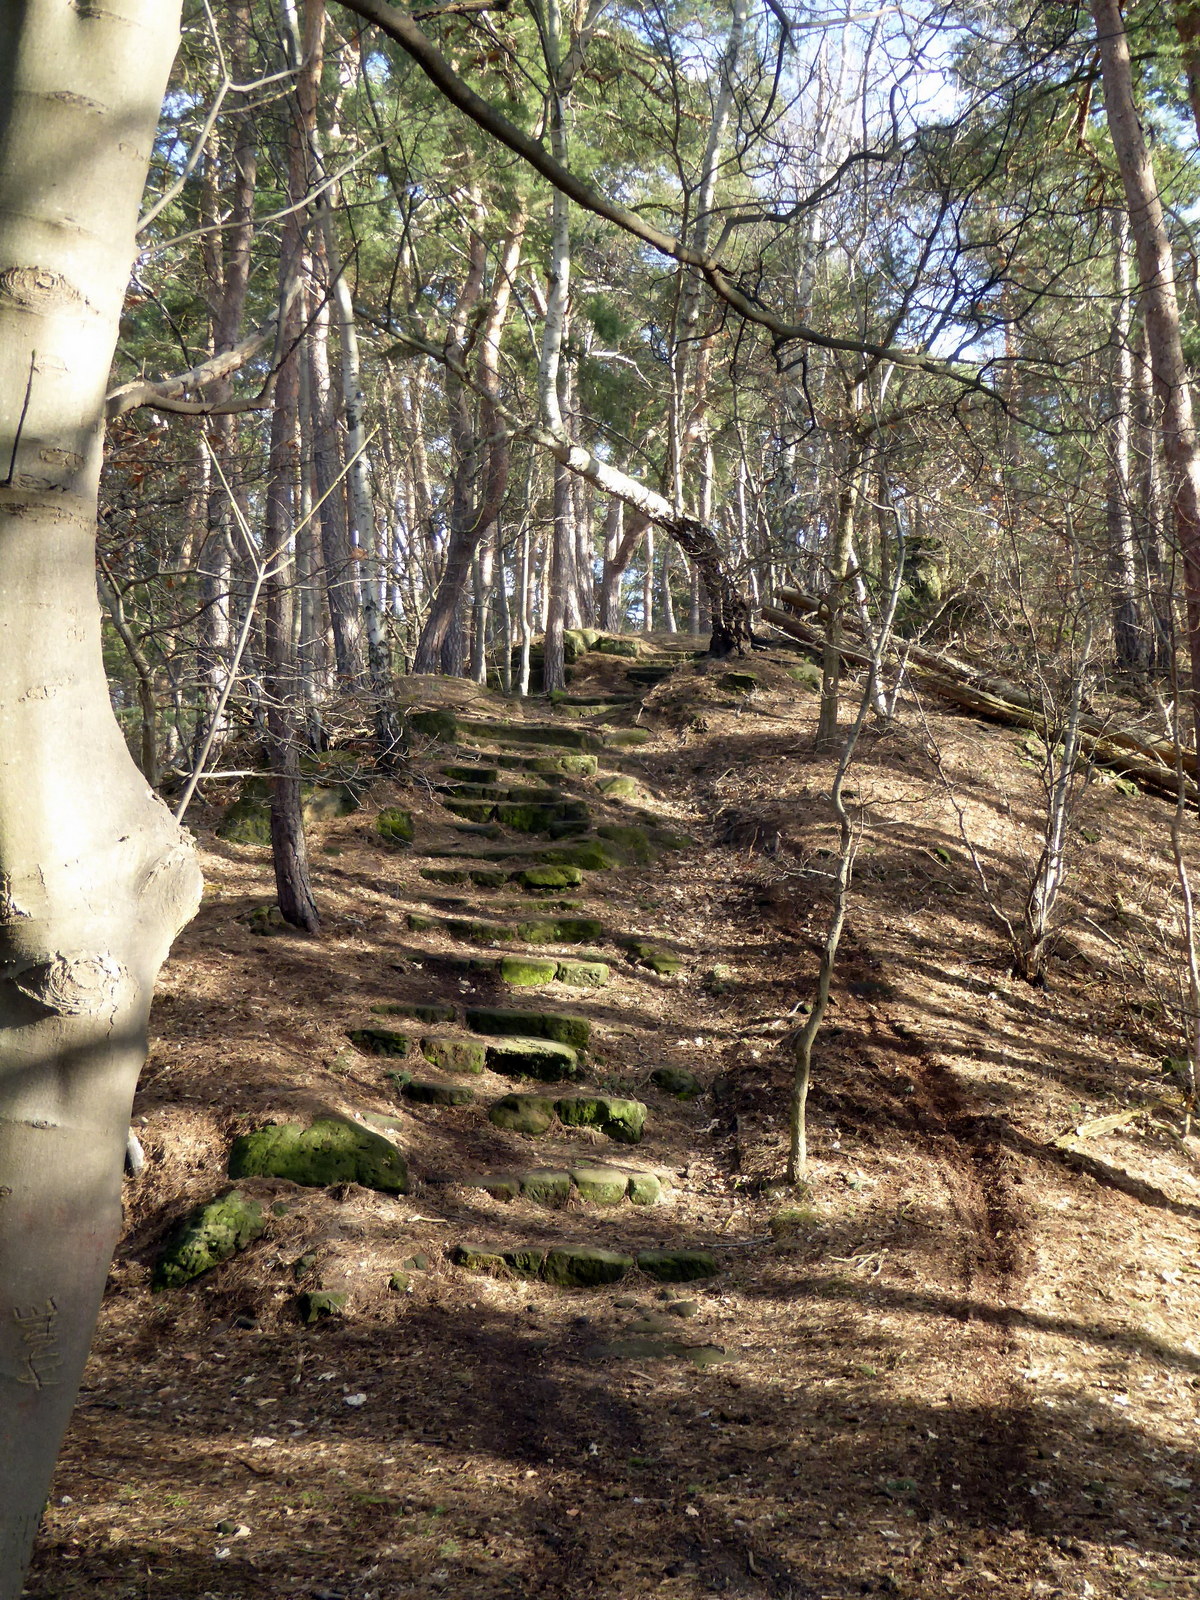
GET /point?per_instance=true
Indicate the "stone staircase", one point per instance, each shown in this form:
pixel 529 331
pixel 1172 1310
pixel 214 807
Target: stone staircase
pixel 534 815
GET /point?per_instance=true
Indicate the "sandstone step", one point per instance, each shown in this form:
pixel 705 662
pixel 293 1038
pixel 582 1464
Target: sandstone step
pixel 618 1117
pixel 436 1092
pixel 560 930
pixel 544 1059
pixel 554 1187
pixel 556 1025
pixel 584 1266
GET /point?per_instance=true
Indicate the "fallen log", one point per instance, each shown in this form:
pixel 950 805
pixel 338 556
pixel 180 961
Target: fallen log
pixel 1145 746
pixel 1119 751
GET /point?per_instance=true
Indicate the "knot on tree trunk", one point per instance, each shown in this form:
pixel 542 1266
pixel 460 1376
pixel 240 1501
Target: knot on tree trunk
pixel 74 986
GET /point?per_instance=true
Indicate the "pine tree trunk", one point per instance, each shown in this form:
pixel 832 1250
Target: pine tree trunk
pixel 1156 270
pixel 95 876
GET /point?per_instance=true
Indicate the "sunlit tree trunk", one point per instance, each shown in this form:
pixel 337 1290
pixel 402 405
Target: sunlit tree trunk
pixel 1156 270
pixel 95 876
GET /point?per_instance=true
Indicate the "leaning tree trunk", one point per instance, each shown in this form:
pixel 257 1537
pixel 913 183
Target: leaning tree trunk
pixel 95 877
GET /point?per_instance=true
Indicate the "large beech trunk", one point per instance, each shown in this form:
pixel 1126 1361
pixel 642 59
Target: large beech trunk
pixel 95 876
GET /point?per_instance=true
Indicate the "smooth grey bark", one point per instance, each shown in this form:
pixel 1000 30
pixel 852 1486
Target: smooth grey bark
pixel 95 876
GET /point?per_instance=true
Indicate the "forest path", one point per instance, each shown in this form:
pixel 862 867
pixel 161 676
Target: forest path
pixel 963 1362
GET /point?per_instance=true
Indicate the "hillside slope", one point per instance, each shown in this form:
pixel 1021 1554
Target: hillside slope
pixel 965 1361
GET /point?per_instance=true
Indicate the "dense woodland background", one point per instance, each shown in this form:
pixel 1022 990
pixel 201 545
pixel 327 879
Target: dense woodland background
pixel 915 370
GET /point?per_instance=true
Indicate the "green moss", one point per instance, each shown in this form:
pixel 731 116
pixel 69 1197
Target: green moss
pixel 525 1025
pixel 420 1013
pixel 546 1188
pixel 533 1058
pixel 566 930
pixel 448 875
pixel 620 788
pixel 208 1235
pixel 618 1118
pixel 380 1041
pixel 526 1263
pixel 740 682
pixel 395 825
pixel 615 645
pixel 544 880
pixel 525 972
pixel 475 791
pixel 583 974
pixel 632 842
pixel 585 1267
pixel 567 766
pixel 627 737
pixel 644 1189
pixel 417 922
pixel 677 1266
pixel 523 1113
pixel 528 733
pixel 454 1055
pixel 501 1186
pixel 590 854
pixel 441 725
pixel 471 774
pixel 806 673
pixel 316 1304
pixel 486 878
pixel 684 1085
pixel 331 1151
pixel 603 1186
pixel 477 1258
pixel 472 810
pixel 645 954
pixel 429 1092
pixel 248 819
pixel 475 931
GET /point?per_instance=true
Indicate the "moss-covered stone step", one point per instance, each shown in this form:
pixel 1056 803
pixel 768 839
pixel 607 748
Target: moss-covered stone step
pixel 419 1011
pixel 645 953
pixel 248 819
pixel 619 1118
pixel 576 1266
pixel 678 1266
pixel 621 787
pixel 523 816
pixel 616 1116
pixel 523 1113
pixel 740 682
pixel 435 1092
pixel 549 1187
pixel 533 880
pixel 493 1020
pixel 210 1234
pixel 684 1085
pixel 450 728
pixel 332 1150
pixel 380 1041
pixel 396 826
pixel 543 1059
pixel 544 930
pixel 315 1305
pixel 583 974
pixel 454 1055
pixel 471 774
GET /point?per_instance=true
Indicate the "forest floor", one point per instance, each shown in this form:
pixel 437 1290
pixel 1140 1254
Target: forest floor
pixel 965 1361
